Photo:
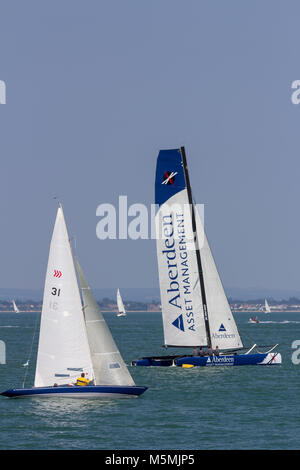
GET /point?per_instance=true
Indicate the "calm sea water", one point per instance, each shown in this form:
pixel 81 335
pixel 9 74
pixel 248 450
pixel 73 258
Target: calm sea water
pixel 250 407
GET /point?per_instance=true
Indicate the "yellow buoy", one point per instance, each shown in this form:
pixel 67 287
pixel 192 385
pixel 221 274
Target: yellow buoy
pixel 187 366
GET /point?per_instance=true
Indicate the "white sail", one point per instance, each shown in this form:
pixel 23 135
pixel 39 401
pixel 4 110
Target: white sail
pixel 267 307
pixel 16 310
pixel 121 308
pixel 182 309
pixel 63 350
pixel 109 367
pixel 223 329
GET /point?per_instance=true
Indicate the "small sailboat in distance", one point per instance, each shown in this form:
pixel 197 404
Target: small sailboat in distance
pixel 267 307
pixel 195 309
pixel 74 339
pixel 121 308
pixel 16 310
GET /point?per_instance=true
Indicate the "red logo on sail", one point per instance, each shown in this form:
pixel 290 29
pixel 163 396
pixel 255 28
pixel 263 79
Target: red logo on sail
pixel 57 273
pixel 169 177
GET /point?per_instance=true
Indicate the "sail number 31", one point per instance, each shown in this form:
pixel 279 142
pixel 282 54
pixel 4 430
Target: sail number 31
pixel 55 291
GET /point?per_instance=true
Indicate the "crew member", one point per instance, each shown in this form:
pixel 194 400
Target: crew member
pixel 82 380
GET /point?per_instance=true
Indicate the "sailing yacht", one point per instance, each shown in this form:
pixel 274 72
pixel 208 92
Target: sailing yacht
pixel 121 308
pixel 74 337
pixel 16 310
pixel 195 309
pixel 267 307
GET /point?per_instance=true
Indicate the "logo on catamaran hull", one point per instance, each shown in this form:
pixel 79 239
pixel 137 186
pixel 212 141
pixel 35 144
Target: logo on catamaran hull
pixel 222 360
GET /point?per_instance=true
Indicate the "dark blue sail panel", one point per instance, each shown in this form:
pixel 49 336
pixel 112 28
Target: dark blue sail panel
pixel 169 175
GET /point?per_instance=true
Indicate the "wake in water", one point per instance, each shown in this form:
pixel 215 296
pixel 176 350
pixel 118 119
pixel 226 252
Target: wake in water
pixel 11 326
pixel 278 322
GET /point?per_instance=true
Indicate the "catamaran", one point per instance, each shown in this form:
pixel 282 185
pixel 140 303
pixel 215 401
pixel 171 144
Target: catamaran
pixel 121 308
pixel 195 309
pixel 16 310
pixel 74 338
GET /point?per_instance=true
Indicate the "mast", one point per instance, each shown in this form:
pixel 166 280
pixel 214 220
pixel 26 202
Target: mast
pixel 194 228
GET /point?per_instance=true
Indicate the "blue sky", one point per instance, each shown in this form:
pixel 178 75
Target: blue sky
pixel 95 89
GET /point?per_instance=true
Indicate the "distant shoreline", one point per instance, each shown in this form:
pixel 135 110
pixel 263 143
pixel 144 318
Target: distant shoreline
pixel 159 311
pixel 102 311
pixel 265 314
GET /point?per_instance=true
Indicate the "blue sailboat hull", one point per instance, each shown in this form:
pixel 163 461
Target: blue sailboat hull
pixel 208 361
pixel 95 391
